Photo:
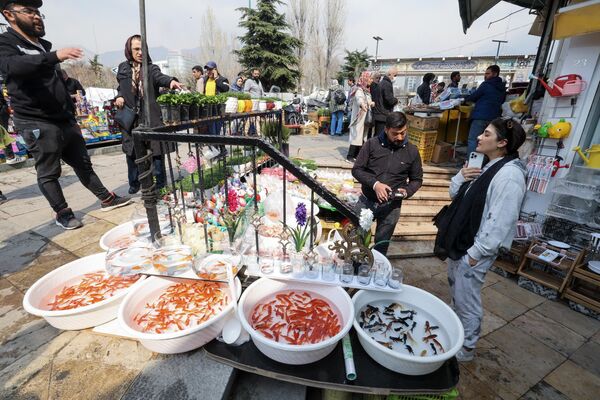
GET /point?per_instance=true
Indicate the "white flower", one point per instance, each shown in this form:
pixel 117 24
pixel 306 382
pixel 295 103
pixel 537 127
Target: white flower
pixel 366 219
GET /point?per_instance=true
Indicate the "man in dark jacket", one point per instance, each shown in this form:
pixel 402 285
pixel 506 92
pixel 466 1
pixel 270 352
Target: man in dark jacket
pixel 424 90
pixel 454 79
pixel 386 99
pixel 488 99
pixel 389 169
pixel 43 109
pixel 73 85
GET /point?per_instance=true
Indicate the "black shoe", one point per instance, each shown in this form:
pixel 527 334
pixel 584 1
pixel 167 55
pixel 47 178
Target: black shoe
pixel 133 189
pixel 115 202
pixel 66 219
pixel 3 199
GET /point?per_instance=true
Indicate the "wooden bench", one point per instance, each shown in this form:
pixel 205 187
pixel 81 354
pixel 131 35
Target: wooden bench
pixel 296 129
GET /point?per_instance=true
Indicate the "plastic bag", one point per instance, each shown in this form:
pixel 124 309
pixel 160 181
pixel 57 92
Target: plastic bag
pixel 518 105
pixel 416 100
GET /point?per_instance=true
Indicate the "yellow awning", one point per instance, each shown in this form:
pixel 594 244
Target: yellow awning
pixel 579 19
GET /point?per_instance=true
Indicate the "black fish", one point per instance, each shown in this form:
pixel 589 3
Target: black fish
pixel 433 348
pixel 413 327
pixel 410 350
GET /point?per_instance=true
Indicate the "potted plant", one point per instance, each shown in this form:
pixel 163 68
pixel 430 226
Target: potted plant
pixel 186 101
pixel 324 115
pixel 200 100
pixel 270 130
pixel 221 104
pixel 164 101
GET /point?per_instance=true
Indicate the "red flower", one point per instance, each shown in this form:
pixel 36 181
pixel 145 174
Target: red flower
pixel 233 200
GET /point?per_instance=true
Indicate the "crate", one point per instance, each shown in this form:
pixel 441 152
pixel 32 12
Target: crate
pixel 423 123
pixel 425 142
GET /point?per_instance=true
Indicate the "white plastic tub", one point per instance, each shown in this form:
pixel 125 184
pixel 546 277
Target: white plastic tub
pixel 170 342
pixel 404 363
pixel 77 318
pixel 286 353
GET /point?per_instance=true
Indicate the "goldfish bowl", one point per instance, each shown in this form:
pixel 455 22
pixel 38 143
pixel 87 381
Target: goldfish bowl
pixel 285 353
pixel 173 342
pixel 41 292
pixel 428 308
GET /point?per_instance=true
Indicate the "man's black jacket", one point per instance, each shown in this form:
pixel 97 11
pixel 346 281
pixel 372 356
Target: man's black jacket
pixel 387 94
pixel 34 80
pixel 396 166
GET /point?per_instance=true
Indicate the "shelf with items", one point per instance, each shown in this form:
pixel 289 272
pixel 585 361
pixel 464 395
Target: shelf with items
pixel 511 260
pixel 548 265
pixel 572 208
pixel 584 288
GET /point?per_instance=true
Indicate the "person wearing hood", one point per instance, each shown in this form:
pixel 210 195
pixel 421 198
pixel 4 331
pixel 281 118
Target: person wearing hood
pixel 424 90
pixel 131 93
pixel 389 169
pixel 44 113
pixel 336 98
pixel 480 221
pixel 253 85
pixel 488 99
pixel 238 85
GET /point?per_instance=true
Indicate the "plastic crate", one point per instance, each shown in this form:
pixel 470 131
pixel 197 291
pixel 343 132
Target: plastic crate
pixel 426 154
pixel 423 123
pixel 422 139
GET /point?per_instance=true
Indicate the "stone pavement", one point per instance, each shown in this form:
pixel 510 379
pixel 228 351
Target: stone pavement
pixel 532 348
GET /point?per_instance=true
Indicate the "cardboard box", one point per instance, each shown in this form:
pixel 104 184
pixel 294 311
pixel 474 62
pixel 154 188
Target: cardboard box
pixel 423 123
pixel 442 152
pixel 313 116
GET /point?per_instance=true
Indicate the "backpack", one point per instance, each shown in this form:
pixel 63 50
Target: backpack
pixel 339 97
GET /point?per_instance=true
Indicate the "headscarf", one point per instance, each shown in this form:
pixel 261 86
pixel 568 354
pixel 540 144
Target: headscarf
pixel 362 82
pixel 136 68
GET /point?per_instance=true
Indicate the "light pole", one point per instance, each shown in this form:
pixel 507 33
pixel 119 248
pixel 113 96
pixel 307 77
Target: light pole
pixel 377 39
pixel 498 51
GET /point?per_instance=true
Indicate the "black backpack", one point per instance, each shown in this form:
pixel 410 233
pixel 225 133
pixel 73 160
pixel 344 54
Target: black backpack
pixel 339 97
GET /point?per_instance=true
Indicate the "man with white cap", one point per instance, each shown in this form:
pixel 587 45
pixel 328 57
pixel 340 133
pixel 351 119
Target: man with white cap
pixel 44 113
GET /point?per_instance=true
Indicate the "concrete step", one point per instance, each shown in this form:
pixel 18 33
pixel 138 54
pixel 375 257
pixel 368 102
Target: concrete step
pixel 427 168
pixel 410 249
pixel 413 210
pixel 437 175
pixel 415 229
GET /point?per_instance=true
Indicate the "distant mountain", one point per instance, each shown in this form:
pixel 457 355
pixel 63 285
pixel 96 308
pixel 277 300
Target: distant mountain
pixel 112 59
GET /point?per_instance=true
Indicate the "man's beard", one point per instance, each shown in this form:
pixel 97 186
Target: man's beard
pixel 256 79
pixel 29 28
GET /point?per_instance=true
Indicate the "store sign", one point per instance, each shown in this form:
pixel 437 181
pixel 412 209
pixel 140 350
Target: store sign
pixel 444 65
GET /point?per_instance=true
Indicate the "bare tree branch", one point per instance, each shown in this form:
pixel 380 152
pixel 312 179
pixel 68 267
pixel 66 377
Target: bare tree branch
pixel 216 46
pixel 335 18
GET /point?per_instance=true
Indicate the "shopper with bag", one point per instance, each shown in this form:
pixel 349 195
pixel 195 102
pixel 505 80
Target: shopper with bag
pixel 43 109
pixel 130 101
pixel 336 98
pixel 361 114
pixel 480 221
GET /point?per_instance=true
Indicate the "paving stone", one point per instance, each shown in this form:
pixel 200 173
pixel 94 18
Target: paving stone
pixel 588 357
pixel 543 391
pixel 252 386
pixel 9 298
pixel 418 269
pixel 117 216
pixel 549 332
pixel 562 314
pixel 48 259
pixel 35 387
pixel 22 345
pixel 180 376
pixel 105 350
pixel 596 337
pixel 89 249
pixel 501 305
pixel 91 232
pixel 20 250
pixel 26 368
pixel 470 387
pixel 32 220
pixel 17 322
pixel 575 382
pixel 76 379
pixel 517 293
pixel 491 322
pixel 436 285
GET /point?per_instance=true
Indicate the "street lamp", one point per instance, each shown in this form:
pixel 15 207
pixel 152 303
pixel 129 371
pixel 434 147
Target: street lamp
pixel 377 39
pixel 498 51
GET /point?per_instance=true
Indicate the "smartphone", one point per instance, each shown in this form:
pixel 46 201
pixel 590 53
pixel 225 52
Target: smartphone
pixel 475 160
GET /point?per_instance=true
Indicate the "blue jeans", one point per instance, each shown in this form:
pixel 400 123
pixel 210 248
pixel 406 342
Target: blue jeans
pixel 337 122
pixel 476 129
pixel 158 169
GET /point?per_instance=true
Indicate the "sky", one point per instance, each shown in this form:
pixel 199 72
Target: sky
pixel 409 28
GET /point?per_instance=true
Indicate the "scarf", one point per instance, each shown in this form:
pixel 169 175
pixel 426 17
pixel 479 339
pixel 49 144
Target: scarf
pixel 137 86
pixel 362 83
pixel 459 222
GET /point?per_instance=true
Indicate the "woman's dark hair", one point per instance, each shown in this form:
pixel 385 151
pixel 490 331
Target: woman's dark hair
pixel 428 77
pixel 510 130
pixel 198 68
pixel 395 119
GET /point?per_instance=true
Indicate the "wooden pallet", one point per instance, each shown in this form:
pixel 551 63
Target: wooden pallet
pixel 584 288
pixel 517 250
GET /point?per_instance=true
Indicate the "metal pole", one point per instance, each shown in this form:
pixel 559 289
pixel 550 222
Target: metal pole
pixel 498 50
pixel 377 39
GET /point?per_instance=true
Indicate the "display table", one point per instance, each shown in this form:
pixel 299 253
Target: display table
pixel 329 373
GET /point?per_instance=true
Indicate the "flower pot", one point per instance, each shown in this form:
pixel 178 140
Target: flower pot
pixel 194 112
pixel 285 149
pixel 248 107
pixel 241 106
pixel 278 105
pixel 165 111
pixel 262 106
pixel 255 105
pixel 175 114
pixel 203 111
pixel 184 110
pixel 222 107
pixel 270 105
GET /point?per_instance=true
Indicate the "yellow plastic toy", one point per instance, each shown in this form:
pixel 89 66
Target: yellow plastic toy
pixel 560 130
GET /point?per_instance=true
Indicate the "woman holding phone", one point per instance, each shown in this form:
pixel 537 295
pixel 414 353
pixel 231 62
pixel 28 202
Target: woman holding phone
pixel 480 221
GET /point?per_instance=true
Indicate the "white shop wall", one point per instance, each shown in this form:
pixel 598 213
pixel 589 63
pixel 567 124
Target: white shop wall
pixel 577 55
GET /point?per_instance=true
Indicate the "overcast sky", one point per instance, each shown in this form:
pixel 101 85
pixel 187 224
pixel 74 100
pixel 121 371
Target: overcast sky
pixel 409 28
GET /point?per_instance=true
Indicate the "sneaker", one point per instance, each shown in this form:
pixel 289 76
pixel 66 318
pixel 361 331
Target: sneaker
pixel 133 189
pixel 66 219
pixel 3 199
pixel 115 201
pixel 16 160
pixel 465 355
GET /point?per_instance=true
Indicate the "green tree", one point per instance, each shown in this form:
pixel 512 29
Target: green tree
pixel 268 45
pixel 96 65
pixel 354 62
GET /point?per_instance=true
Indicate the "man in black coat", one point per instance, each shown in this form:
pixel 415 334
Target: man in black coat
pixel 424 90
pixel 43 109
pixel 387 100
pixel 132 93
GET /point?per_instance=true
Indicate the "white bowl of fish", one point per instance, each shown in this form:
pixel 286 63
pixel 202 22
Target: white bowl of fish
pixel 293 322
pixel 411 332
pixel 130 233
pixel 79 294
pixel 171 315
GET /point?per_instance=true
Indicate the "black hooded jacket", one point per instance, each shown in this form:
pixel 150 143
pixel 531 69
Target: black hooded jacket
pixel 34 80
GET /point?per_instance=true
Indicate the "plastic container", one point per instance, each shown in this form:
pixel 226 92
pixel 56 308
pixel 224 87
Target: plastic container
pixel 404 363
pixel 77 318
pixel 286 353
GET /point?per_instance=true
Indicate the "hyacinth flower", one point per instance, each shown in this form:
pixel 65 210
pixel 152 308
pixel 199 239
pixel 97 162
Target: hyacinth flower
pixel 302 230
